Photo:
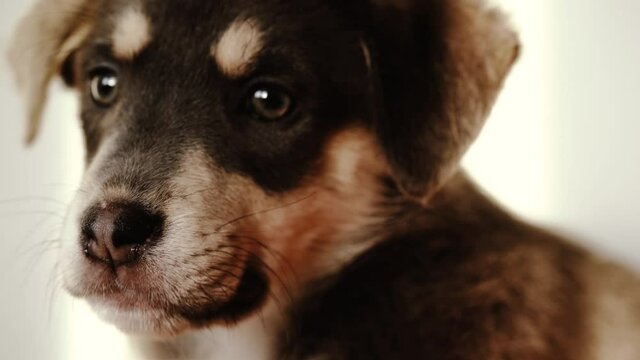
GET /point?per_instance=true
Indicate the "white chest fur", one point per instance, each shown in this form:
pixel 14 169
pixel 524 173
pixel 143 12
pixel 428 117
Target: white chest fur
pixel 252 339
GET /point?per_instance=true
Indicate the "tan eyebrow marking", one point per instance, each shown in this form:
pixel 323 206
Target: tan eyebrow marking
pixel 237 48
pixel 132 33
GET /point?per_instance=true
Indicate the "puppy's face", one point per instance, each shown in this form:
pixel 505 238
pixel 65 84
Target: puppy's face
pixel 221 148
pixel 238 149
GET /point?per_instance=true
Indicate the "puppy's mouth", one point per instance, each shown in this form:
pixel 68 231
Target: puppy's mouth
pixel 250 294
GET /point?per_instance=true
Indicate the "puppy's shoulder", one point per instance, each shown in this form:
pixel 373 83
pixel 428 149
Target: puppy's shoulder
pixel 579 298
pixel 465 280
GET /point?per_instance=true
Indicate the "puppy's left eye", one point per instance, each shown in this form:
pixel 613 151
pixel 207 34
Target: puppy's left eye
pixel 270 102
pixel 104 86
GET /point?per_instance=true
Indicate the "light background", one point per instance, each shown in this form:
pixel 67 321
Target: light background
pixel 561 149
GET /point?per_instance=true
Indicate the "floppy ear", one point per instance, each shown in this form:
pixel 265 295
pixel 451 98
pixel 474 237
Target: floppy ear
pixel 42 42
pixel 440 65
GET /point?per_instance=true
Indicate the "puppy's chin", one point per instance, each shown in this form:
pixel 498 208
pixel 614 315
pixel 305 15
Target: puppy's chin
pixel 146 322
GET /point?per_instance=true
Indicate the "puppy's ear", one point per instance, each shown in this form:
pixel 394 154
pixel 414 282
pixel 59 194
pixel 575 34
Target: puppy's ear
pixel 43 41
pixel 439 66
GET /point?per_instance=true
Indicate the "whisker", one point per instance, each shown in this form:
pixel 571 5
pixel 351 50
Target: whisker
pixel 274 253
pixel 285 286
pixel 243 217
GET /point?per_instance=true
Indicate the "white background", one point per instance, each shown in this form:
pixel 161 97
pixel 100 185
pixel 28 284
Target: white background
pixel 561 149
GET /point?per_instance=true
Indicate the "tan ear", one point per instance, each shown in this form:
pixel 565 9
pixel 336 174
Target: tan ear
pixel 42 41
pixel 441 64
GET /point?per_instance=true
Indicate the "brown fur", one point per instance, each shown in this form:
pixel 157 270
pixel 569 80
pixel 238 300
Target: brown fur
pixel 501 290
pixel 379 246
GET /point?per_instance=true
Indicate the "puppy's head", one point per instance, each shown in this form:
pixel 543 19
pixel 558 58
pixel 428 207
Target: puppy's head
pixel 233 146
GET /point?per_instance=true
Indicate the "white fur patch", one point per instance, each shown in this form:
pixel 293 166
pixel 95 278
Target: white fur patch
pixel 238 47
pixel 254 338
pixel 132 33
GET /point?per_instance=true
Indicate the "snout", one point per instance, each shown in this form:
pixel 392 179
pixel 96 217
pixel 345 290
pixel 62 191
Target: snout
pixel 155 250
pixel 118 234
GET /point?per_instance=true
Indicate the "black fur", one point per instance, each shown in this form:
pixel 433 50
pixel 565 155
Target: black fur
pixel 173 93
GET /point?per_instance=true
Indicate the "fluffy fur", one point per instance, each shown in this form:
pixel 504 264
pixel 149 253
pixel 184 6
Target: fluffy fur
pixel 339 228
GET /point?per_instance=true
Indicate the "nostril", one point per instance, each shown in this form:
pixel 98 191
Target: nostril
pixel 117 234
pixel 135 226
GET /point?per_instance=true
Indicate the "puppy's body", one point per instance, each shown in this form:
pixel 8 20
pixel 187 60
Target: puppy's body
pixel 464 280
pixel 279 180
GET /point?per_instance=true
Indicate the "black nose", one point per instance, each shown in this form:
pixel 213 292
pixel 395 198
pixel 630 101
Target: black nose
pixel 117 234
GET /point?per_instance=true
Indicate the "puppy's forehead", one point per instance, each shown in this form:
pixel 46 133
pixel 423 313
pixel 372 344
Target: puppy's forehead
pixel 233 38
pixel 232 33
pixel 188 66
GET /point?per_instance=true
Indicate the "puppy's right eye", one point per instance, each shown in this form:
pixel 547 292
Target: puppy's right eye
pixel 104 86
pixel 269 102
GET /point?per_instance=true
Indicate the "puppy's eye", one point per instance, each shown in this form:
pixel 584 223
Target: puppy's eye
pixel 270 102
pixel 104 86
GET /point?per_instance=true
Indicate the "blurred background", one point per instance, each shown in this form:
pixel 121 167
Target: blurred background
pixel 560 149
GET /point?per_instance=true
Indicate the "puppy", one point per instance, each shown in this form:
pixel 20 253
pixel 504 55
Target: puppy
pixel 284 175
